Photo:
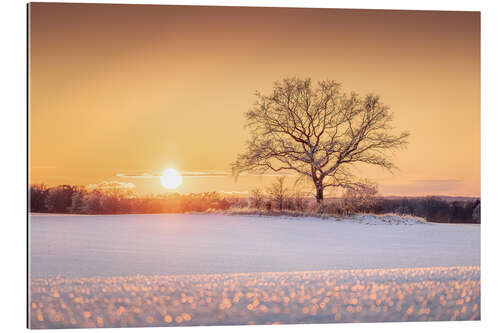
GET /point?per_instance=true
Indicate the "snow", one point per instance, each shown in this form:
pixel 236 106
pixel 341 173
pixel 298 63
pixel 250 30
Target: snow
pixel 208 269
pixel 371 219
pixel 387 219
pixel 402 294
pixel 126 245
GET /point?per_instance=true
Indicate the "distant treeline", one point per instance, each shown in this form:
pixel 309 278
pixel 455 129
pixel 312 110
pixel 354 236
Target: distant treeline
pixel 79 200
pixel 433 209
pixel 66 199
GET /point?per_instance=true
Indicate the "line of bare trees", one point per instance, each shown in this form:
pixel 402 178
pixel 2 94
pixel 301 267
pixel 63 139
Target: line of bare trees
pixel 277 198
pixel 79 200
pixel 365 199
pixel 280 197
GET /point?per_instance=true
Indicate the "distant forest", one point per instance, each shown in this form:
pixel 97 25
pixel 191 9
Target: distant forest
pixel 66 199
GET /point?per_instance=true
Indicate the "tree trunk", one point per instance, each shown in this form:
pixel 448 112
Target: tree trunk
pixel 319 193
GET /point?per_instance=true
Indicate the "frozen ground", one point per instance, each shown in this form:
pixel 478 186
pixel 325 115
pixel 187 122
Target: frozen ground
pixel 403 294
pixel 124 245
pixel 152 270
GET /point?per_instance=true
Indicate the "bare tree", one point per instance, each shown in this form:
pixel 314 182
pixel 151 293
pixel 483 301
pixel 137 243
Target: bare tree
pixel 257 198
pixel 299 201
pixel 78 201
pixel 278 192
pixel 360 198
pixel 318 133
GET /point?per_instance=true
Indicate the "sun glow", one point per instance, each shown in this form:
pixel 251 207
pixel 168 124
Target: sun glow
pixel 171 179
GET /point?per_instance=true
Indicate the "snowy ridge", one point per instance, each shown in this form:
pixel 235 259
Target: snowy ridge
pixel 387 219
pixel 368 219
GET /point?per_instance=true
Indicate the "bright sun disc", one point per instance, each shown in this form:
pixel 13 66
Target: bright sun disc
pixel 171 179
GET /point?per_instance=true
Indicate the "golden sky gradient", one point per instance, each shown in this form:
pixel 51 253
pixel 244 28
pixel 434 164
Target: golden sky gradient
pixel 119 93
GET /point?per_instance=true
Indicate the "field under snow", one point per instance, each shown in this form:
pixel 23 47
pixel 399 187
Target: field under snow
pixel 142 270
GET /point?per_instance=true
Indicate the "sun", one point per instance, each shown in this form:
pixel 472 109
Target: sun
pixel 171 179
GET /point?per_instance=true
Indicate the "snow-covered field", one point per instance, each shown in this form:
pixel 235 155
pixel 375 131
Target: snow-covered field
pixel 150 270
pixel 78 246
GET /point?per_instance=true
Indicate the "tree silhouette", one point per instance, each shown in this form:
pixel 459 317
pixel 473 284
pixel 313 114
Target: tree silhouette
pixel 278 192
pixel 318 133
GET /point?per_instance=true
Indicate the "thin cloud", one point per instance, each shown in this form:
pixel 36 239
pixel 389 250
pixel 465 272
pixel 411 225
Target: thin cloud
pixel 147 175
pixel 209 173
pixel 137 175
pixel 437 181
pixel 270 173
pixel 106 185
pixel 199 174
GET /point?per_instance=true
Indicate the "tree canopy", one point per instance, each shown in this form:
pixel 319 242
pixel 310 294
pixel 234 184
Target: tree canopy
pixel 318 133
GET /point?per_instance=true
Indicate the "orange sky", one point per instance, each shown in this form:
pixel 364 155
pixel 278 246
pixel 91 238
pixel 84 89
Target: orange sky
pixel 118 91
